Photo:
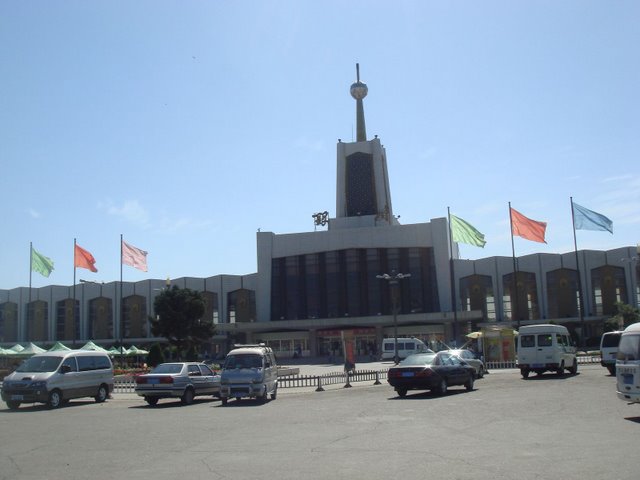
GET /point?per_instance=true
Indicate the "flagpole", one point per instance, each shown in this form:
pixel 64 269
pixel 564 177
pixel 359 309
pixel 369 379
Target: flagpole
pixel 29 296
pixel 580 296
pixel 73 315
pixel 514 301
pixel 453 281
pixel 121 323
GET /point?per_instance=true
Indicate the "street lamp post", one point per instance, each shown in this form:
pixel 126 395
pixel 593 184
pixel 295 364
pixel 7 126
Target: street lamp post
pixel 394 287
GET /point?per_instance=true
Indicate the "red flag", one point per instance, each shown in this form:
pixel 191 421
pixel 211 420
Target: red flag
pixel 526 228
pixel 84 259
pixel 134 257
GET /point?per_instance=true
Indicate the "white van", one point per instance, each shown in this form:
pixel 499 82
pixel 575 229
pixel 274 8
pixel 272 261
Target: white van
pixel 56 377
pixel 609 350
pixel 544 348
pixel 406 347
pixel 628 365
pixel 249 371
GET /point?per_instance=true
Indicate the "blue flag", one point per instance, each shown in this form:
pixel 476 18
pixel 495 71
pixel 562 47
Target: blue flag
pixel 585 219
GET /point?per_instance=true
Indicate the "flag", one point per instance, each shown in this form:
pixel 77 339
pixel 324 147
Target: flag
pixel 464 232
pixel 83 259
pixel 526 228
pixel 134 257
pixel 585 219
pixel 41 264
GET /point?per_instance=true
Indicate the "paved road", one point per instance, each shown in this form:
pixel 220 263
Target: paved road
pixel 546 427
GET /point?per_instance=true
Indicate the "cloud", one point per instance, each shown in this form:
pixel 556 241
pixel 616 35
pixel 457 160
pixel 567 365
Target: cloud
pixel 131 211
pixel 33 213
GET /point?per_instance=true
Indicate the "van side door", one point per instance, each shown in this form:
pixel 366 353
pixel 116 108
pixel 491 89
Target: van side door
pixel 69 382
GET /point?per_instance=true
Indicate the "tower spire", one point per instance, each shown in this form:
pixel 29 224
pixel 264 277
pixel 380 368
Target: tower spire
pixel 359 90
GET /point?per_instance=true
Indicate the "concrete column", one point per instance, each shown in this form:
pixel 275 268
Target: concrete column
pixel 313 342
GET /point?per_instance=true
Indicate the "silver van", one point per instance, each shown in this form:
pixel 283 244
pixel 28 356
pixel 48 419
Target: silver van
pixel 249 371
pixel 55 378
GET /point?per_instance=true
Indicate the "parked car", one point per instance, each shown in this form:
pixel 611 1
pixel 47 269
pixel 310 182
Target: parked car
pixel 472 359
pixel 54 378
pixel 183 380
pixel 430 371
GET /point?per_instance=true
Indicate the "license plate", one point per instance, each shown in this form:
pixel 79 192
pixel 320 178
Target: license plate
pixel 154 380
pixel 17 397
pixel 407 374
pixel 628 379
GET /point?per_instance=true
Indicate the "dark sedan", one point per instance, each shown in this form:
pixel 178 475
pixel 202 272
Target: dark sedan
pixel 430 371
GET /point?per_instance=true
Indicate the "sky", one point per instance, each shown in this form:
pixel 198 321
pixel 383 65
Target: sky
pixel 187 126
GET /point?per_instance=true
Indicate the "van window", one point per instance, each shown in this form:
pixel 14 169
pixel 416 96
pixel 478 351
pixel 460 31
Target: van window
pixel 562 340
pixel 545 340
pixel 610 340
pixel 527 340
pixel 71 363
pixel 243 361
pixel 409 346
pixel 629 348
pixel 92 362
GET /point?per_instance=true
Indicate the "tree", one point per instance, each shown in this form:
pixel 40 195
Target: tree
pixel 627 314
pixel 155 357
pixel 179 313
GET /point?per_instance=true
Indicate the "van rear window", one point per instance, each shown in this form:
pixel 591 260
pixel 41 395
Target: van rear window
pixel 544 340
pixel 611 340
pixel 629 348
pixel 527 340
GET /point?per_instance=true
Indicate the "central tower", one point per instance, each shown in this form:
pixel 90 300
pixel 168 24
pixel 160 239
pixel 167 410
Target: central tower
pixel 363 197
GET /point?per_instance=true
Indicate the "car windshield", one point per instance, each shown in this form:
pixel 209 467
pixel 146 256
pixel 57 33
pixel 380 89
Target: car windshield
pixel 168 368
pixel 40 364
pixel 243 361
pixel 418 359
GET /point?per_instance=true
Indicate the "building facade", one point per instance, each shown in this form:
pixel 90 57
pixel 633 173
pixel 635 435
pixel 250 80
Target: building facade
pixel 314 288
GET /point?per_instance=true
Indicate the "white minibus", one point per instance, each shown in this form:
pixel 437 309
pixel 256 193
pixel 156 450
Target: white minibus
pixel 628 365
pixel 609 350
pixel 544 348
pixel 406 347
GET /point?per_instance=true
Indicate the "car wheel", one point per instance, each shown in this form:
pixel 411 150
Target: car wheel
pixel 481 372
pixel 442 388
pixel 55 399
pixel 525 373
pixel 224 401
pixel 402 392
pixel 274 394
pixel 102 395
pixel 152 401
pixel 264 397
pixel 469 384
pixel 13 405
pixel 612 370
pixel 574 368
pixel 560 369
pixel 187 397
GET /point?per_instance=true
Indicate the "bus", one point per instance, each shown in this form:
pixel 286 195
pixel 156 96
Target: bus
pixel 628 365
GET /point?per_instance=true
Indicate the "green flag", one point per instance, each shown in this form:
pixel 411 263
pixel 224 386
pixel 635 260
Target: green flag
pixel 463 232
pixel 41 264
